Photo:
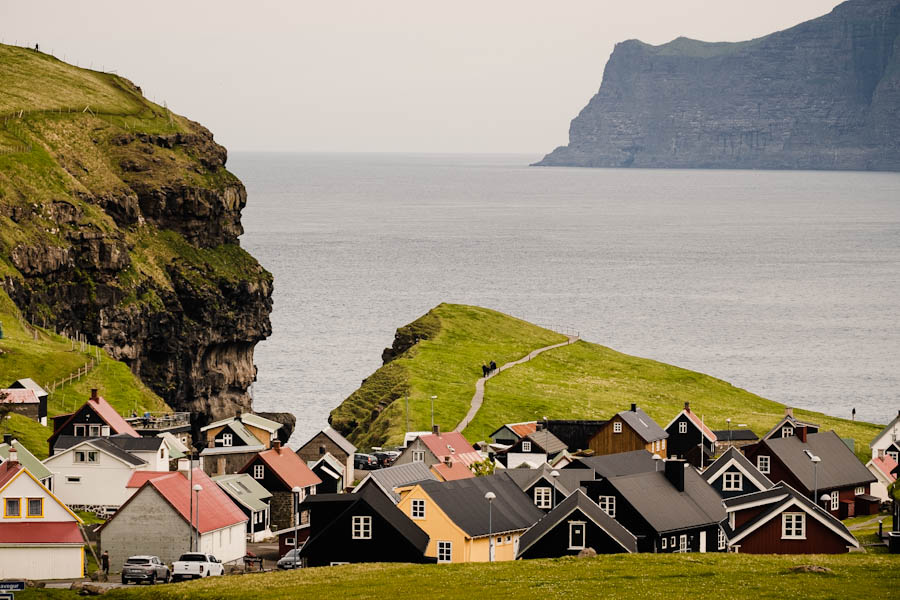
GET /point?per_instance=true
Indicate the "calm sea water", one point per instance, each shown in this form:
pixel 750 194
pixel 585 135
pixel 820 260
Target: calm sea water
pixel 783 283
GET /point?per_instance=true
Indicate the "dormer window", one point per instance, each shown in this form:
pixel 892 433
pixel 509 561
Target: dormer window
pixel 787 431
pixel 80 430
pixel 733 482
pixel 95 431
pixel 682 427
pixel 259 471
pixel 227 439
pixel 617 427
pixel 526 446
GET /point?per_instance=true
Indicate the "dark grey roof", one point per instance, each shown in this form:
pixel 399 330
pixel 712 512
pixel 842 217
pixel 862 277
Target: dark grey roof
pixel 114 450
pixel 399 475
pixel 547 441
pixel 664 507
pixel 749 469
pixel 342 442
pixel 578 500
pixel 838 468
pixel 753 497
pixel 643 425
pixel 616 465
pixel 795 422
pixel 736 435
pixel 121 441
pixel 567 482
pixel 575 433
pixel 464 503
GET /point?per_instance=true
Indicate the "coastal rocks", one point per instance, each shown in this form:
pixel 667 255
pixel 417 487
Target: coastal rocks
pixel 822 95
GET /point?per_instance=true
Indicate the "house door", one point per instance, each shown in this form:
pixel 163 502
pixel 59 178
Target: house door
pixel 702 541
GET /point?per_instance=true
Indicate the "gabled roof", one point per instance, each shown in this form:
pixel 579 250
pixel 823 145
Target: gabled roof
pixel 892 428
pixel 10 472
pixel 776 501
pixel 520 429
pixel 452 472
pixel 708 433
pixel 616 465
pixel 41 532
pixel 734 457
pixel 735 435
pixel 575 433
pixel 100 444
pixel 18 396
pixel 330 462
pixel 547 441
pixel 884 464
pixel 27 459
pixel 107 414
pixel 788 419
pixel 260 422
pixel 452 444
pixel 463 502
pixel 838 468
pixel 238 428
pixel 287 466
pixel 176 448
pixel 245 490
pixel 29 384
pixel 342 442
pixel 567 482
pixel 643 425
pixel 664 507
pixel 398 476
pixel 139 478
pixel 577 500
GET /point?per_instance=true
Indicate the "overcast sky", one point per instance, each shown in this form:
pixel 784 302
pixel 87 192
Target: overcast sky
pixel 378 75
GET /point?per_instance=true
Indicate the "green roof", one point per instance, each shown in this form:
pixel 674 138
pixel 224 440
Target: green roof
pixel 27 459
pixel 244 489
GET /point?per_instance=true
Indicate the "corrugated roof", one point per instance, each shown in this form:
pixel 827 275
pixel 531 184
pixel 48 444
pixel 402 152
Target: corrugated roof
pixel 885 464
pixel 139 478
pixel 523 429
pixel 577 500
pixel 18 396
pixel 28 460
pixel 289 467
pixel 643 425
pixel 342 442
pixel 29 384
pixel 40 532
pixel 452 444
pixel 838 468
pixel 616 465
pixel 101 444
pixel 464 503
pixel 735 435
pixel 398 476
pixel 8 471
pixel 698 423
pixel 216 510
pixel 547 441
pixel 244 490
pixel 112 418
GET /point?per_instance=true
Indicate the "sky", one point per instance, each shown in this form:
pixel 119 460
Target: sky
pixel 469 76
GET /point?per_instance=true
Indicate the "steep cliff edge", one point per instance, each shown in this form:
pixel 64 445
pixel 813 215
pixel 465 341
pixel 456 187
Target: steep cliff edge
pixel 822 95
pixel 118 219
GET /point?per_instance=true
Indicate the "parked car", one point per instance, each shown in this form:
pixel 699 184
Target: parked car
pixel 291 560
pixel 193 565
pixel 386 458
pixel 145 568
pixel 364 461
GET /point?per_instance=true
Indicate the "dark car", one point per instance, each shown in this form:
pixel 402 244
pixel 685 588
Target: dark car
pixel 386 458
pixel 145 568
pixel 364 461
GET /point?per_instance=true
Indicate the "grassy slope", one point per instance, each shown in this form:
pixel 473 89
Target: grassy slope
pixel 447 365
pixel 591 381
pixel 695 576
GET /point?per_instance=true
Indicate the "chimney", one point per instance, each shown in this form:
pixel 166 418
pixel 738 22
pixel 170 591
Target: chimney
pixel 94 394
pixel 184 466
pixel 448 461
pixel 276 445
pixel 789 412
pixel 13 457
pixel 540 426
pixel 675 473
pixel 436 429
pixel 7 439
pixel 633 407
pixel 687 406
pixel 801 433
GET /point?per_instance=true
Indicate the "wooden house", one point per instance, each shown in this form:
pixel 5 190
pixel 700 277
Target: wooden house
pixel 25 402
pixel 280 470
pixel 253 500
pixel 95 418
pixel 331 472
pixel 437 447
pixel 733 475
pixel 535 449
pixel 545 490
pixel 331 442
pixel 231 443
pixel 782 520
pixel 576 434
pixel 511 433
pixel 627 431
pixel 838 474
pixel 361 527
pixel 391 479
pixel 39 535
pixel 686 433
pixel 42 396
pixel 887 442
pixel 575 525
pixel 788 425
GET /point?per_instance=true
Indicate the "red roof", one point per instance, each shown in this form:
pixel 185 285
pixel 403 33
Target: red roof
pixel 451 444
pixel 455 471
pixel 8 471
pixel 40 532
pixel 700 425
pixel 216 509
pixel 523 429
pixel 19 396
pixel 289 467
pixel 885 464
pixel 115 421
pixel 139 478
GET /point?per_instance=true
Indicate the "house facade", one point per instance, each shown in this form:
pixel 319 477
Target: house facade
pixel 687 432
pixel 95 418
pixel 788 426
pixel 331 471
pixel 329 441
pixel 887 442
pixel 28 460
pixel 253 500
pixel 437 447
pixel 733 475
pixel 628 431
pixel 882 468
pixel 535 449
pixel 280 470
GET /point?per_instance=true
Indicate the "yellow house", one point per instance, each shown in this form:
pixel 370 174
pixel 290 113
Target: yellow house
pixel 462 524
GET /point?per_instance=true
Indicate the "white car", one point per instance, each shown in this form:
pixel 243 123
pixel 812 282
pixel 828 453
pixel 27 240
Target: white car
pixel 194 565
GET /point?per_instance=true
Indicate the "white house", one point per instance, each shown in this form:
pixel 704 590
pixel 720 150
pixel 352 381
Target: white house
pixel 882 467
pixel 39 535
pixel 888 441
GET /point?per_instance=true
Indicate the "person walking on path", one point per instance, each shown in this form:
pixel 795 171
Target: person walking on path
pixel 484 370
pixel 104 562
pixel 493 366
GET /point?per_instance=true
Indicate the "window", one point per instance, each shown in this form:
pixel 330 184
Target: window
pixel 336 563
pixel 859 491
pixel 259 471
pixel 762 463
pixel 526 446
pixel 787 431
pixel 362 528
pixel 85 456
pixel 835 500
pixel 682 543
pixel 608 505
pixel 543 497
pixel 104 431
pixel 12 508
pixel 73 479
pixel 289 541
pixel 617 427
pixel 733 482
pixel 894 455
pixel 418 509
pixel 672 542
pixel 227 439
pixel 664 543
pixel 80 430
pixel 95 430
pixel 445 552
pixel 35 507
pixel 576 535
pixel 723 541
pixel 508 539
pixel 419 456
pixel 793 526
pixel 682 427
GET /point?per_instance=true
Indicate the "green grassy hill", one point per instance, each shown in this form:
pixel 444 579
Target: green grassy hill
pixel 581 380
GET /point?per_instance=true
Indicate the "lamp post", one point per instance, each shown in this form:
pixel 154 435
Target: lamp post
pixel 728 420
pixel 197 489
pixel 297 490
pixel 490 498
pixel 555 475
pixel 656 459
pixel 433 398
pixel 825 498
pixel 815 461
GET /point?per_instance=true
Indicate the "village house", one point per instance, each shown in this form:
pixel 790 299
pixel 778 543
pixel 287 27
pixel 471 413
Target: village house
pixel 161 519
pixel 253 499
pixel 670 510
pixel 733 475
pixel 509 434
pixel 887 442
pixel 575 525
pixel 463 524
pixel 39 535
pixel 616 465
pixel 882 468
pixel 361 527
pixel 95 418
pixel 690 439
pixel 787 425
pixel 781 520
pixel 28 460
pixel 548 490
pixel 576 434
pixel 42 396
pixel 390 479
pixel 331 442
pixel 734 438
pixel 836 473
pixel 331 471
pixel 629 430
pixel 231 443
pixel 436 447
pixel 535 449
pixel 25 402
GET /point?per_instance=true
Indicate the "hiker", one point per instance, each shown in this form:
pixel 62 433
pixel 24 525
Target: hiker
pixel 104 562
pixel 37 48
pixel 484 370
pixel 493 366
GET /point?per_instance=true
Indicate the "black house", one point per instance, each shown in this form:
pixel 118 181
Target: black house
pixel 576 524
pixel 687 433
pixel 545 490
pixel 362 527
pixel 41 393
pixel 576 434
pixel 616 465
pixel 733 475
pixel 787 426
pixel 670 510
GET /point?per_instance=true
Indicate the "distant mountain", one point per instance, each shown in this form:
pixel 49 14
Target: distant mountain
pixel 822 95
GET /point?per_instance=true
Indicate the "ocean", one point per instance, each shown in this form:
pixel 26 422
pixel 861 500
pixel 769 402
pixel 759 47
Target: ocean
pixel 785 283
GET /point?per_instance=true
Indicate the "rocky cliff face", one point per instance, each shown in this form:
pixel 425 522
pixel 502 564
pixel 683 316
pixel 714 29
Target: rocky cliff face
pixel 822 95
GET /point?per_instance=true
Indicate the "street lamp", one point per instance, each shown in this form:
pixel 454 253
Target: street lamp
pixel 825 498
pixel 815 461
pixel 297 491
pixel 728 420
pixel 433 398
pixel 490 498
pixel 555 475
pixel 197 489
pixel 656 458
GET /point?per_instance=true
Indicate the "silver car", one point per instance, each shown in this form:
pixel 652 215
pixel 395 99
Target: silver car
pixel 145 568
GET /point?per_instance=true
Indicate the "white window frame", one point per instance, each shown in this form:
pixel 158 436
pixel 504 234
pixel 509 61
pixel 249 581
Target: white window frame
pixel 572 526
pixel 227 440
pixel 859 491
pixel 732 482
pixel 672 542
pixel 723 540
pixel 362 527
pixel 835 500
pixel 86 456
pixel 608 505
pixel 83 429
pixel 894 455
pixel 526 446
pixel 682 427
pixel 259 471
pixel 76 479
pixel 94 430
pixel 418 456
pixel 793 526
pixel 787 431
pixel 444 552
pixel 417 508
pixel 543 497
pixel 683 543
pixel 663 544
pixel 764 463
pixel 617 427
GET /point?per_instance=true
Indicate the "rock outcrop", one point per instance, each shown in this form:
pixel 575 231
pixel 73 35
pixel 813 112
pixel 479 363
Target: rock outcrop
pixel 822 95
